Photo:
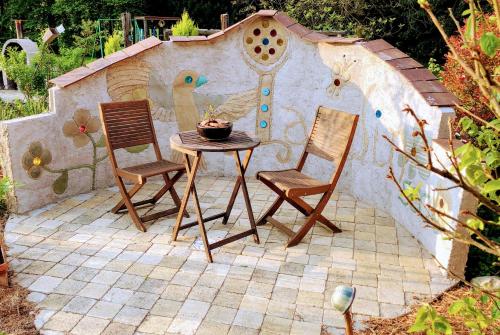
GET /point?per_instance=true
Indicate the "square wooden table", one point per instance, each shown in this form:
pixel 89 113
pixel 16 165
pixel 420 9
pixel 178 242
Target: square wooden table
pixel 191 144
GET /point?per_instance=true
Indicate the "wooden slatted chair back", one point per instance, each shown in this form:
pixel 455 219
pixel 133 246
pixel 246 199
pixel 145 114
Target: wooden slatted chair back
pixel 332 133
pixel 128 123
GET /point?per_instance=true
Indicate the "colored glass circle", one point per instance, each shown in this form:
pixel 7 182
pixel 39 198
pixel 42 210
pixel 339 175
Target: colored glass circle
pixel 272 51
pixel 336 82
pixel 265 57
pixel 280 42
pixel 249 40
pixel 273 33
pixel 265 41
pixel 188 79
pixel 378 114
pixel 264 108
pixel 265 23
pixel 256 31
pixel 263 124
pixel 257 49
pixel 266 91
pixel 37 161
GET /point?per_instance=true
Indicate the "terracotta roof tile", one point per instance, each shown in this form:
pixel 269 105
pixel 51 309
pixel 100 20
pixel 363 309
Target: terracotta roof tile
pixel 440 99
pixel 267 12
pixel 422 79
pixel 377 45
pixel 429 86
pixel 393 53
pixel 404 63
pixel 341 40
pixel 102 63
pixel 315 37
pixel 284 19
pixel 418 74
pixel 299 29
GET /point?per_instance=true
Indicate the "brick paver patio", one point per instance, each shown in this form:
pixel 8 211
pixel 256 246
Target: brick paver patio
pixel 92 272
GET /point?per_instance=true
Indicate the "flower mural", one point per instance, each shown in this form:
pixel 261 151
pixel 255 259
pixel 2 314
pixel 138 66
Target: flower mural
pixel 35 159
pixel 341 75
pixel 79 128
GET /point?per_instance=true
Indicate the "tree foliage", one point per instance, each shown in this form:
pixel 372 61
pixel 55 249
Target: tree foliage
pixel 399 21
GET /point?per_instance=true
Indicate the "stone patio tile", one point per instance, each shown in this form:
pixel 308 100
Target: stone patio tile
pixel 221 314
pixel 308 313
pixel 39 267
pixel 281 309
pixel 203 293
pixel 131 315
pixel 235 286
pixel 285 294
pixel 161 272
pixel 84 274
pixel 276 325
pixel 45 284
pixel 193 309
pixel 139 299
pixel 185 279
pixel 94 290
pixel 154 324
pixel 416 287
pixel 238 330
pixel 106 277
pixel 176 292
pixel 155 286
pixel 366 307
pixel 288 281
pixel 79 305
pixel 228 299
pixel 302 327
pixel 116 328
pixel 181 325
pixel 90 326
pixel 312 284
pixel 209 328
pixel 62 321
pixel 139 269
pixel 364 278
pixel 164 307
pixel 248 319
pixel 255 304
pixel 310 298
pixel 391 310
pixel 130 282
pixel 105 310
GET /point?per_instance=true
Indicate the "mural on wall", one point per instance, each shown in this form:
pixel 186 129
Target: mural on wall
pixel 81 129
pixel 341 75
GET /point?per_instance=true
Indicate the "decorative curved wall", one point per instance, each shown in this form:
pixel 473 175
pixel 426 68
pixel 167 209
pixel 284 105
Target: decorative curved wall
pixel 268 75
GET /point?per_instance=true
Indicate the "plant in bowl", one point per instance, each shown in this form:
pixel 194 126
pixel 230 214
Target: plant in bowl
pixel 214 129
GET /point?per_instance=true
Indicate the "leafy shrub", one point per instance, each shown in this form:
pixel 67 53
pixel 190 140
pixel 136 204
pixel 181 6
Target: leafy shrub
pixel 435 68
pixel 87 39
pixel 113 43
pixel 5 186
pixel 459 82
pixel 18 108
pixel 185 27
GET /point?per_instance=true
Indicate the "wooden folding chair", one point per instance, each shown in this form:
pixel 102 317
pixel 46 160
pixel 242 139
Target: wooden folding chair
pixel 127 124
pixel 331 138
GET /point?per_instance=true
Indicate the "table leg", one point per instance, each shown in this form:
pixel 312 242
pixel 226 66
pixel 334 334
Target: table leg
pixel 237 185
pixel 241 170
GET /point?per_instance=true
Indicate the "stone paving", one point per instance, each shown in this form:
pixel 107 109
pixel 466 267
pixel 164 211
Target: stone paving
pixel 92 272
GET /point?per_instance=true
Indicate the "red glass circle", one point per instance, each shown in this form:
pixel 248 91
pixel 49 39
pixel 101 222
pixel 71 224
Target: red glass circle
pixel 336 82
pixel 272 51
pixel 257 49
pixel 273 33
pixel 256 31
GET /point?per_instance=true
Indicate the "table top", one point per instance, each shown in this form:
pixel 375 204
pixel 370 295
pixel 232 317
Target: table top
pixel 191 141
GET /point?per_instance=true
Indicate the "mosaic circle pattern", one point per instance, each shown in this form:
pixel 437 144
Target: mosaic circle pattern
pixel 265 41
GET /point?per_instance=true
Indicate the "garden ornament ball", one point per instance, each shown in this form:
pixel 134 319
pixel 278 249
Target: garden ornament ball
pixel 342 298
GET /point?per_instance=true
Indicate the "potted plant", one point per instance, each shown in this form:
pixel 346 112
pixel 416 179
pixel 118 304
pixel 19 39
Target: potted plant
pixel 214 129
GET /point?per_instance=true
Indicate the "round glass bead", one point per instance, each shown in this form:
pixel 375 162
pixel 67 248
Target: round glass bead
pixel 264 108
pixel 266 91
pixel 263 124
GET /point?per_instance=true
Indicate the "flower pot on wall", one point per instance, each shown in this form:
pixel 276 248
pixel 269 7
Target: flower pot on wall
pixel 4 267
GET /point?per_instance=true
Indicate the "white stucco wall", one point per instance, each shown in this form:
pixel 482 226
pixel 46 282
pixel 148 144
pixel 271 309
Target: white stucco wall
pixel 302 77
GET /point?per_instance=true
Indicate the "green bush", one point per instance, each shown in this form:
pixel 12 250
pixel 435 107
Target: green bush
pixel 18 108
pixel 5 186
pixel 185 27
pixel 113 43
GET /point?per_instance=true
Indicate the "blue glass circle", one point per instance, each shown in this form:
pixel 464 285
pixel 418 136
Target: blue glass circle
pixel 188 79
pixel 264 108
pixel 378 114
pixel 263 124
pixel 265 41
pixel 266 91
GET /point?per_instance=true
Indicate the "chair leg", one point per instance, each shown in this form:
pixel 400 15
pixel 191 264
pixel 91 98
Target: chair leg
pixel 173 193
pixel 121 204
pixel 294 240
pixel 129 205
pixel 306 209
pixel 271 210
